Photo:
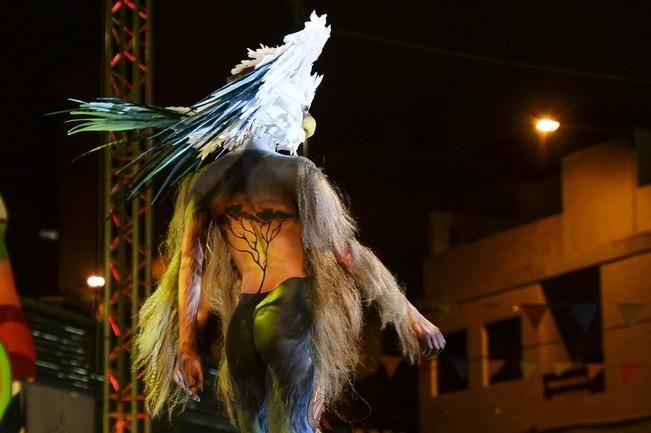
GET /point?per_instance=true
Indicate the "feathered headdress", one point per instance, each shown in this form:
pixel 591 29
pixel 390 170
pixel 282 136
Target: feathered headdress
pixel 270 95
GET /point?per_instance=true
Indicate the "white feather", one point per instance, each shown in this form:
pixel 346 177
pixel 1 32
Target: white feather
pixel 287 91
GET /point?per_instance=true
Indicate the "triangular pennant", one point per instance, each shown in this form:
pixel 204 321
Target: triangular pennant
pixel 584 314
pixel 391 364
pixel 628 370
pixel 495 365
pixel 594 369
pixel 461 366
pixel 528 367
pixel 535 313
pixel 631 312
pixel 561 367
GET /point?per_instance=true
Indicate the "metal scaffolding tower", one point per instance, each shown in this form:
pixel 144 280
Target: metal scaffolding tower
pixel 128 228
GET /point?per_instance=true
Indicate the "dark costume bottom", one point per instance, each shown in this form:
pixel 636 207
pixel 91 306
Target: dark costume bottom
pixel 271 359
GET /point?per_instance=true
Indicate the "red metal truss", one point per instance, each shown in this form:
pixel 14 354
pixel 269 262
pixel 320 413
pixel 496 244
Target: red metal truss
pixel 128 226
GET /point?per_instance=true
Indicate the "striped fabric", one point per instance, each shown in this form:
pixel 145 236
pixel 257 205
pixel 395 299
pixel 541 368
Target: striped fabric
pixel 14 331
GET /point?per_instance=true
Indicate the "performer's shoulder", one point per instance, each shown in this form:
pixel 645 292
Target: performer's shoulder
pixel 210 175
pixel 304 164
pixel 291 163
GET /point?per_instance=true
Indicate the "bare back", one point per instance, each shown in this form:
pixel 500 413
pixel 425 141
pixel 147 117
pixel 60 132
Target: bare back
pixel 251 194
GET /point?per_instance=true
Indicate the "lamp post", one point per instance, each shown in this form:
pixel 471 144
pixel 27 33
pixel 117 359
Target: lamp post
pixel 545 125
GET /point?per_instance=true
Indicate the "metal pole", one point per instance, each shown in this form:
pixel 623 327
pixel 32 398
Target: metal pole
pixel 128 227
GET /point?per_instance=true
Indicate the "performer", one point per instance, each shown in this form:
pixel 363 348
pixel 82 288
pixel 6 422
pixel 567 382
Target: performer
pixel 263 240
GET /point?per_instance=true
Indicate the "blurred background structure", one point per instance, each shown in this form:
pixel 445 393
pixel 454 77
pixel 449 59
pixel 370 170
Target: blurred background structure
pixel 528 248
pixel 549 331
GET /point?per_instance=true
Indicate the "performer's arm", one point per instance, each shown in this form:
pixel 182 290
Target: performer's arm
pixel 188 374
pixel 429 336
pixel 327 224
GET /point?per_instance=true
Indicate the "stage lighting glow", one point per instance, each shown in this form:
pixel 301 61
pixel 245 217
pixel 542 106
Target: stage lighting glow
pixel 95 281
pixel 547 125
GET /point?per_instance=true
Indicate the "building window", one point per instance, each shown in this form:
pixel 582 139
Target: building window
pixel 504 350
pixel 452 363
pixel 575 305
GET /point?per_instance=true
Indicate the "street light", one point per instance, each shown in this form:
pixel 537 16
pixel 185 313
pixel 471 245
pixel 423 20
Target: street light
pixel 546 125
pixel 95 281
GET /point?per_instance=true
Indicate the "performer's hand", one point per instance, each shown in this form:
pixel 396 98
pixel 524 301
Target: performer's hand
pixel 188 373
pixel 429 335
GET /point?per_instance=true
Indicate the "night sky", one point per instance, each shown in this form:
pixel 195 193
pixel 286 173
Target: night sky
pixel 423 104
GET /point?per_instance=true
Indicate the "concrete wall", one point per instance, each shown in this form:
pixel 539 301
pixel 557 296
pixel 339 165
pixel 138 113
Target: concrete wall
pixel 606 222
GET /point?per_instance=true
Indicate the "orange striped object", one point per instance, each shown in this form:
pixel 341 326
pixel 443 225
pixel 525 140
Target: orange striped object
pixel 15 334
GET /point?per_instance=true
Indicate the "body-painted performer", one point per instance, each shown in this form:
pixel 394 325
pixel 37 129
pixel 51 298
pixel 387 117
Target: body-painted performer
pixel 263 240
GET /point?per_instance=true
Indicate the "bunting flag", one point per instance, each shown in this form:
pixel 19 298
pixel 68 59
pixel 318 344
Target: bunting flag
pixel 584 314
pixel 495 365
pixel 14 331
pixel 460 366
pixel 561 367
pixel 628 370
pixel 528 367
pixel 534 313
pixel 391 364
pixel 631 312
pixel 594 369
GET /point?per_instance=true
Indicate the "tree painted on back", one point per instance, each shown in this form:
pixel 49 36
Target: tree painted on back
pixel 253 232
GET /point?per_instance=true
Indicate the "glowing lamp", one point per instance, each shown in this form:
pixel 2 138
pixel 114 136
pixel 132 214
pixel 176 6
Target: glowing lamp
pixel 95 281
pixel 547 125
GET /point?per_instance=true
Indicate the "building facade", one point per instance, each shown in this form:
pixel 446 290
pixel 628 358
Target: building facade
pixel 549 323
